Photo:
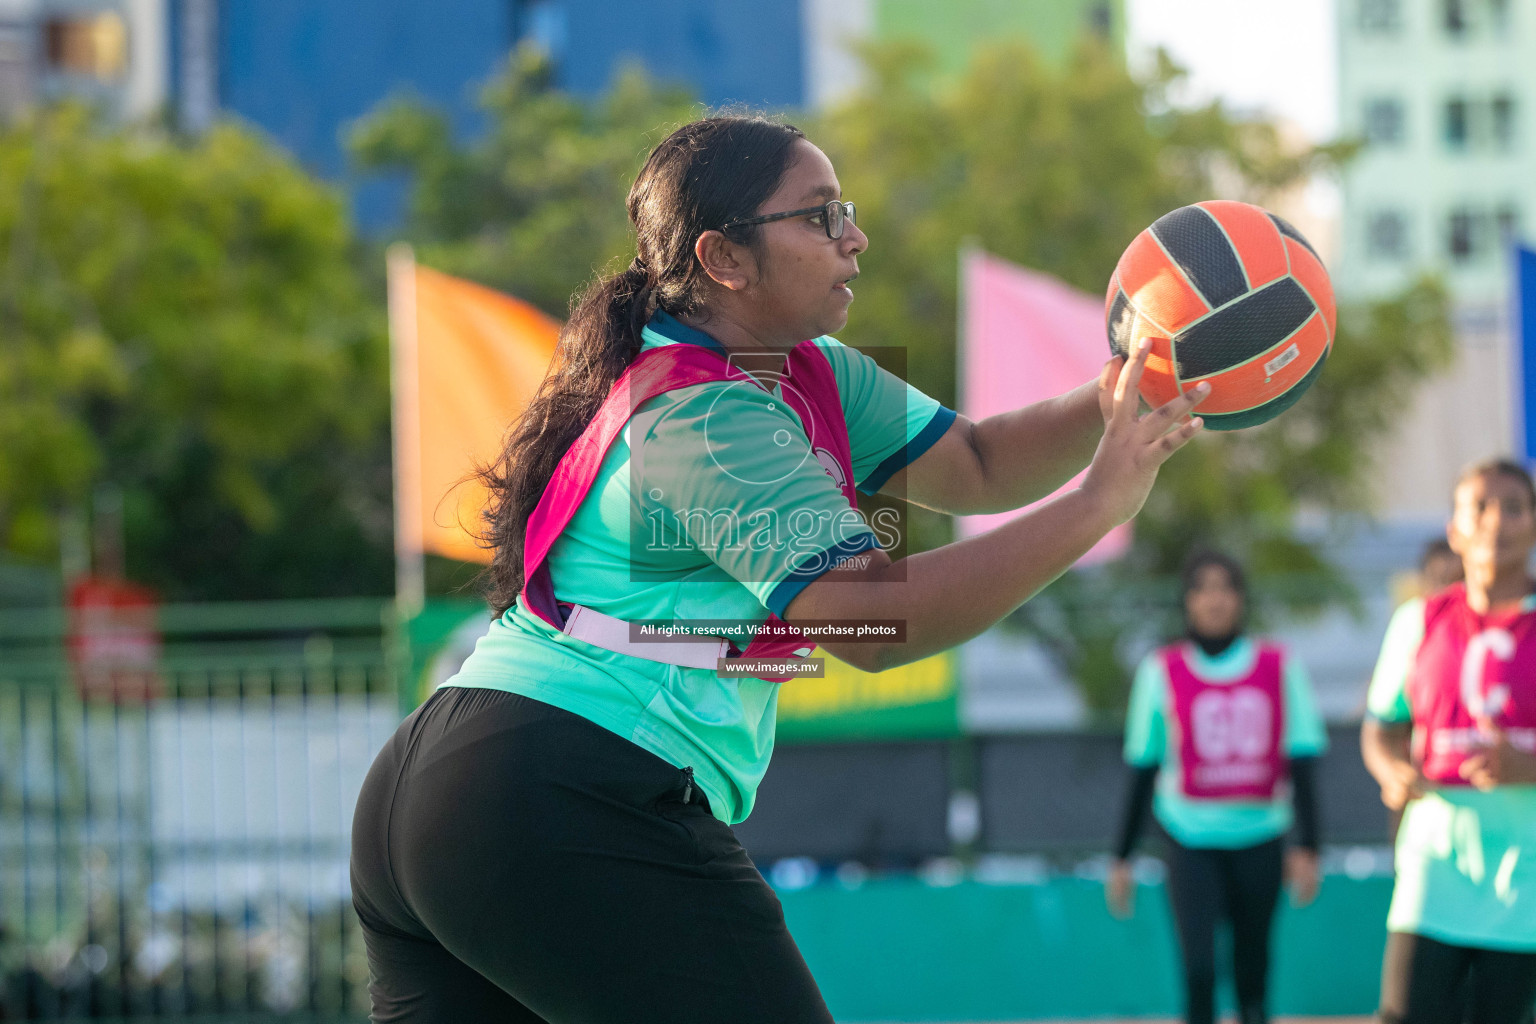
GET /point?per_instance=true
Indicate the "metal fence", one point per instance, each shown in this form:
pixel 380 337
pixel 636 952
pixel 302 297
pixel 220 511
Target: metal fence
pixel 175 844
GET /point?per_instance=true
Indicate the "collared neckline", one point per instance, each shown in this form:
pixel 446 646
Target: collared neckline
pixel 670 328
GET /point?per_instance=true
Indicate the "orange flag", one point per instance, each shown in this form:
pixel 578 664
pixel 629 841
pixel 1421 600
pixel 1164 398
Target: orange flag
pixel 465 360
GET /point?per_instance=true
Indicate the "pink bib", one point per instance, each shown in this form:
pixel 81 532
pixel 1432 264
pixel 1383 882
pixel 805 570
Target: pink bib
pixel 1472 672
pixel 1229 734
pixel 809 387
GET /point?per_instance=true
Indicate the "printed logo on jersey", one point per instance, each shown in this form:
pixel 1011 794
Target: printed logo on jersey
pixel 829 463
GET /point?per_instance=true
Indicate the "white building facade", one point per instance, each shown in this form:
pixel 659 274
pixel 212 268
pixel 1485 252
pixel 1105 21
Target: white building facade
pixel 1443 94
pixel 112 53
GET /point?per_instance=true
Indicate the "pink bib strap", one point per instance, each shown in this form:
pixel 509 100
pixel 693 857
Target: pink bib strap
pixel 652 373
pixel 809 387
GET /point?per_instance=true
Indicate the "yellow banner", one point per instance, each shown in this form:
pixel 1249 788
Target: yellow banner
pixel 920 699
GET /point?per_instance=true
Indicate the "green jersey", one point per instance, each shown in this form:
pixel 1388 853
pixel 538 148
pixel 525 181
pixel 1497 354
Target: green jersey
pixel 710 505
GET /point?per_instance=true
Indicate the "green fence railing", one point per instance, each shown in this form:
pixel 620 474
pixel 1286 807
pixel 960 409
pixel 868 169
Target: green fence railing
pixel 173 839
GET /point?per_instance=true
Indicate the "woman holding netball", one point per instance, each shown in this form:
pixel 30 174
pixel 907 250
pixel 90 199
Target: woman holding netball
pixel 1225 730
pixel 1451 738
pixel 548 837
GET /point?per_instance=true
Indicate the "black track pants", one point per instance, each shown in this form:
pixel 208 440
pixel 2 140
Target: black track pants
pixel 1243 887
pixel 516 863
pixel 1424 981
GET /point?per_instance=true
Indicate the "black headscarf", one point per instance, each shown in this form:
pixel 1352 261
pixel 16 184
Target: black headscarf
pixel 1189 578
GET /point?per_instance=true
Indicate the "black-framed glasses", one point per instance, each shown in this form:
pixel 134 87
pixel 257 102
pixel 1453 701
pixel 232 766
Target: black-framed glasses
pixel 833 216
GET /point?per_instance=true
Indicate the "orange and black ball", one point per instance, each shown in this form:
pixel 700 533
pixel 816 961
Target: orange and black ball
pixel 1231 294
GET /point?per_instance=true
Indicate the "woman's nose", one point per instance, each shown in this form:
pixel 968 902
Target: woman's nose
pixel 855 238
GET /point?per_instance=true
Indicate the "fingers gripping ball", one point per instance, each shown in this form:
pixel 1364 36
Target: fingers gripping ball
pixel 1230 294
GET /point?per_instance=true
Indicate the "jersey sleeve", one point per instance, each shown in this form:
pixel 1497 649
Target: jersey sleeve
pixel 725 469
pixel 1387 699
pixel 890 423
pixel 1146 732
pixel 1305 734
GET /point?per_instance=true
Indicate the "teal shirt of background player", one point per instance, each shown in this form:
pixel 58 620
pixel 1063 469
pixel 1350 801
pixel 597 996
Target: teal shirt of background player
pixel 710 505
pixel 1466 859
pixel 1216 824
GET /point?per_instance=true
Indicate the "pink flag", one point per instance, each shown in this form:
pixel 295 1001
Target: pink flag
pixel 1025 337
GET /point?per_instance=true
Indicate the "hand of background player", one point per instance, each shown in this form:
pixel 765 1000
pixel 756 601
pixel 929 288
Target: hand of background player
pixel 1134 447
pixel 1120 890
pixel 1402 784
pixel 1500 764
pixel 1302 875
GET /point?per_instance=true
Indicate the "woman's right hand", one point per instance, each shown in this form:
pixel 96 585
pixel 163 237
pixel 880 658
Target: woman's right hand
pixel 1120 889
pixel 1400 783
pixel 1134 447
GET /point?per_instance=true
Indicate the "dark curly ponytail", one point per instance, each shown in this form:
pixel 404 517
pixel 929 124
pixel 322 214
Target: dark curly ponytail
pixel 701 176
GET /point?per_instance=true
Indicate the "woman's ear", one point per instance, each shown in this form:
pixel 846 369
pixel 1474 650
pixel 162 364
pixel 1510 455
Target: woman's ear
pixel 727 263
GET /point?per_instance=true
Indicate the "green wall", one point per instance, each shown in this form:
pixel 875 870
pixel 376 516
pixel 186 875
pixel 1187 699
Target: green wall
pixel 901 950
pixel 954 28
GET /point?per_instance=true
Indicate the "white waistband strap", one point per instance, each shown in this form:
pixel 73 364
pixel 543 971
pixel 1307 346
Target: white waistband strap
pixel 612 634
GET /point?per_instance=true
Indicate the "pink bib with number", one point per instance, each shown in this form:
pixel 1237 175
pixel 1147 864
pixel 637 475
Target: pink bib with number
pixel 1473 673
pixel 1229 734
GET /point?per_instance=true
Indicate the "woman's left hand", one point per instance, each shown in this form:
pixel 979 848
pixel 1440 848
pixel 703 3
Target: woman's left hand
pixel 1301 873
pixel 1501 764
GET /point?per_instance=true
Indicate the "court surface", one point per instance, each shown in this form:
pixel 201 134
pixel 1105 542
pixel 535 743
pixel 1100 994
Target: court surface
pixel 1159 1020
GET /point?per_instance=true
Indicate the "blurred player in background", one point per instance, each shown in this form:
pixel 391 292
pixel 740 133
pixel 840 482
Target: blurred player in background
pixel 1451 738
pixel 1439 566
pixel 1221 737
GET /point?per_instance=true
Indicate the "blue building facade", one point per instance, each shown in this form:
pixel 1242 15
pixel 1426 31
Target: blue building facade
pixel 727 51
pixel 304 70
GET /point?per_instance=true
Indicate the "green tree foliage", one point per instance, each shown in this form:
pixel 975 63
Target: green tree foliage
pixel 534 206
pixel 182 322
pixel 1056 167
